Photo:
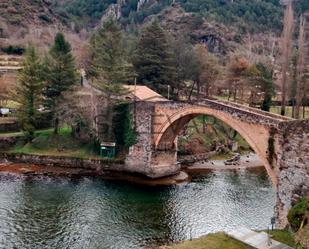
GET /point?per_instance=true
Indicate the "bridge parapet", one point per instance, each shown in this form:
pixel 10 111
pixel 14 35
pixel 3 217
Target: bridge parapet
pixel 168 112
pixel 246 113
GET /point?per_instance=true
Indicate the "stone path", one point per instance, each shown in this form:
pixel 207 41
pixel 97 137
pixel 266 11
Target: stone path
pixel 256 240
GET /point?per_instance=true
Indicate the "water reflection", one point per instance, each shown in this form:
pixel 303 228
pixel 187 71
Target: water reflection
pixel 91 213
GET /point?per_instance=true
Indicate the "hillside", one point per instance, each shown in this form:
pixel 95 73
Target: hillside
pixel 224 25
pixel 25 21
pixel 247 16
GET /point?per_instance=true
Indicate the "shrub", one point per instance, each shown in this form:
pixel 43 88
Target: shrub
pixel 45 18
pixel 297 213
pixel 17 50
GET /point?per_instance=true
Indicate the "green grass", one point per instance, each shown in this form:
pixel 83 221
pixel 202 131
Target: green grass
pixel 20 133
pixel 277 110
pixel 283 236
pixel 61 144
pixel 211 241
pixel 12 104
pixel 222 97
pixel 274 109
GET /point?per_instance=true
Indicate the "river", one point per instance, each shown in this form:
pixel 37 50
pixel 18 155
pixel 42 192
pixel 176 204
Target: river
pixel 49 212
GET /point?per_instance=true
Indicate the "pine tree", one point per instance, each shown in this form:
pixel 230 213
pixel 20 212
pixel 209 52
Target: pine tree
pixel 154 60
pixel 29 92
pixel 61 74
pixel 110 63
pixel 109 71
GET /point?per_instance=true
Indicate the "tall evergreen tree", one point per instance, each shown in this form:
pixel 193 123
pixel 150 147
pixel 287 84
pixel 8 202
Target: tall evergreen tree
pixel 29 92
pixel 109 71
pixel 154 59
pixel 61 74
pixel 109 57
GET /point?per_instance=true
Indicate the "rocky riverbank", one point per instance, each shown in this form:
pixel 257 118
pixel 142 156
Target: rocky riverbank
pixel 33 170
pixel 250 160
pixel 33 165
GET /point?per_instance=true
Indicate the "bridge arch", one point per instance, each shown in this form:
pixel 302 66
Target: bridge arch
pixel 256 135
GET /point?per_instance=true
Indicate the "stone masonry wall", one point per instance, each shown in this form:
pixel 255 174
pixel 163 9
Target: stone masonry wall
pixel 61 161
pixel 139 156
pixel 293 160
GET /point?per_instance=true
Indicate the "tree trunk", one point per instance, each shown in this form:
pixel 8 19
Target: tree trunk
pixel 198 86
pixel 56 125
pixel 235 92
pixel 191 91
pixel 300 65
pixel 286 52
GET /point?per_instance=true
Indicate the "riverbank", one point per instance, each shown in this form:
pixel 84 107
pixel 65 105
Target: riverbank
pixel 112 169
pixel 210 241
pixel 223 241
pixel 249 160
pixel 78 172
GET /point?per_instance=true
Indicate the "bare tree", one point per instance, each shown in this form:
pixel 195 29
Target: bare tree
pixel 286 51
pixel 300 66
pixel 236 70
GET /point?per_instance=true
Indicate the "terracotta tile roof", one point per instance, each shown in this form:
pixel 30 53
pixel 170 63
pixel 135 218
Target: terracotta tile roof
pixel 144 93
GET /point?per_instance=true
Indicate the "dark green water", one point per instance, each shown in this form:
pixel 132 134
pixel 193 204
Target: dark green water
pixel 90 213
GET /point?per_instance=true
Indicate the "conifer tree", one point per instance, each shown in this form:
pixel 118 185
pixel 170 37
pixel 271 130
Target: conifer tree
pixel 109 71
pixel 29 92
pixel 61 74
pixel 154 59
pixel 109 57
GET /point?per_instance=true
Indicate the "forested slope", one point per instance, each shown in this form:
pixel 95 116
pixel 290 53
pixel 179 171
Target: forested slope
pixel 248 15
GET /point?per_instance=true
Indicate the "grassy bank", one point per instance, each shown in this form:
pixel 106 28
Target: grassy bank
pixel 277 110
pixel 48 143
pixel 222 241
pixel 283 236
pixel 20 133
pixel 211 241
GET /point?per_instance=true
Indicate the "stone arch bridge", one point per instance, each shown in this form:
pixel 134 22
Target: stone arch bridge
pixel 282 143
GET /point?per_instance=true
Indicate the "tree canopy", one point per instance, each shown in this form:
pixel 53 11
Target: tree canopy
pixel 153 60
